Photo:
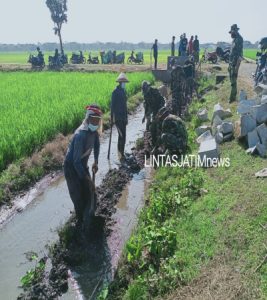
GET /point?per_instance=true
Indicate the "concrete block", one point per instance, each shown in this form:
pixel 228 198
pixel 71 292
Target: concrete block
pixel 202 115
pixel 208 151
pixel 218 111
pixel 226 128
pixel 202 129
pixel 218 138
pixel 253 138
pixel 261 113
pixel 228 137
pixel 227 114
pixel 204 136
pixel 262 150
pixel 264 99
pixel 216 121
pixel 247 124
pixel 262 133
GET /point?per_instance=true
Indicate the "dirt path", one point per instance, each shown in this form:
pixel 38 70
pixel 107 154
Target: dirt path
pixel 82 68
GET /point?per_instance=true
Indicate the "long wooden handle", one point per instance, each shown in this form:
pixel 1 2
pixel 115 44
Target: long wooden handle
pixel 110 136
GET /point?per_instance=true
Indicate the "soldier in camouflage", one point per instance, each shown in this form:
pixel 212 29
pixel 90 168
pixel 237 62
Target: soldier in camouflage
pixel 153 102
pixel 169 132
pixel 235 60
pixel 178 81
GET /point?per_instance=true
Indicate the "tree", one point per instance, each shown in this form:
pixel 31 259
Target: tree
pixel 58 9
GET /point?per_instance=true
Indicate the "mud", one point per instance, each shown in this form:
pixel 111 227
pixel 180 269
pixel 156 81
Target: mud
pixel 77 246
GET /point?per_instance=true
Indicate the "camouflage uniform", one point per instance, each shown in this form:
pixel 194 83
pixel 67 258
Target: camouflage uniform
pixel 177 89
pixel 234 63
pixel 170 133
pixel 174 135
pixel 152 104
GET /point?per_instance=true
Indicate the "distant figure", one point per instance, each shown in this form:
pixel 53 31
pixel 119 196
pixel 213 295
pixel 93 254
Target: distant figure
pixel 235 60
pixel 180 46
pixel 196 49
pixel 173 46
pixel 155 53
pixel 184 43
pixel 40 54
pixel 190 46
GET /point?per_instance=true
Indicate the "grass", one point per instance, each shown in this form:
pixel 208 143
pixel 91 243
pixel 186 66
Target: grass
pixel 198 224
pixel 37 106
pixel 250 53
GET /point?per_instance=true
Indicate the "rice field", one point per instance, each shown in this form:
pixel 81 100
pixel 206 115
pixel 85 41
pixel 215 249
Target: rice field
pixel 36 106
pixel 250 53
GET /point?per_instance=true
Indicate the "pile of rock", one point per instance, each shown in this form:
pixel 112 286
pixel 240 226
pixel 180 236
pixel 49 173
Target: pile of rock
pixel 253 116
pixel 209 136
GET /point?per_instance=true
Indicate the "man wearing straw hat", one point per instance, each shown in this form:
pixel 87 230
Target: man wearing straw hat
pixel 119 114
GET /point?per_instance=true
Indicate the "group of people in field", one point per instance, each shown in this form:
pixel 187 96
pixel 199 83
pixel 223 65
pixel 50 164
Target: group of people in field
pixel 184 48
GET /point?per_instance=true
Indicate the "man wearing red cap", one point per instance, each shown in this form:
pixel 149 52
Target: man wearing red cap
pixel 76 171
pixel 119 114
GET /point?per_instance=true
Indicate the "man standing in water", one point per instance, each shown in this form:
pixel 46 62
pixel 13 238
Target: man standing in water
pixel 119 114
pixel 235 60
pixel 76 171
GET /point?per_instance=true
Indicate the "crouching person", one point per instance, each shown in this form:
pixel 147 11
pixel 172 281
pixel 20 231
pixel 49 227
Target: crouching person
pixel 76 170
pixel 170 133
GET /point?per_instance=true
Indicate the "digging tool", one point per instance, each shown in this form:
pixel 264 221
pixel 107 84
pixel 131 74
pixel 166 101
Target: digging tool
pixel 110 136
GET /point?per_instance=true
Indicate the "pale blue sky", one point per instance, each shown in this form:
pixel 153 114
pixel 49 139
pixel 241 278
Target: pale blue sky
pixel 133 20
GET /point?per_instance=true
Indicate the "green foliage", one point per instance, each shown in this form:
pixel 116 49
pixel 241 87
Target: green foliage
pixel 35 274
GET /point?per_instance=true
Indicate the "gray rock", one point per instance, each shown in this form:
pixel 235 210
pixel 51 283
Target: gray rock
pixel 228 137
pixel 208 151
pixel 261 113
pixel 216 121
pixel 253 138
pixel 218 111
pixel 202 129
pixel 219 138
pixel 252 150
pixel 202 115
pixel 247 124
pixel 242 95
pixel 262 133
pixel 204 136
pixel 261 89
pixel 262 150
pixel 226 128
pixel 264 99
pixel 261 173
pixel 245 106
pixel 227 114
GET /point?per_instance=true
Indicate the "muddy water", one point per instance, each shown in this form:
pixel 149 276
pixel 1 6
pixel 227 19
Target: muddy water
pixel 98 269
pixel 35 227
